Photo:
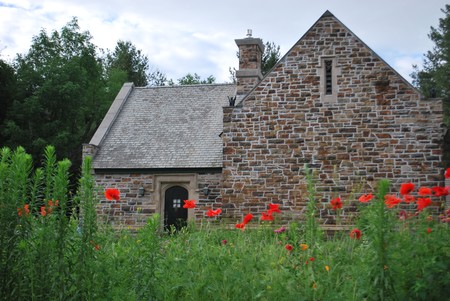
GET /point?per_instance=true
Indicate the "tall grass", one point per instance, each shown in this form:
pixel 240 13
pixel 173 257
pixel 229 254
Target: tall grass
pixel 54 248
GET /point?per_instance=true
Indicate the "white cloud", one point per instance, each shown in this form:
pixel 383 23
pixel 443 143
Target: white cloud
pixel 182 36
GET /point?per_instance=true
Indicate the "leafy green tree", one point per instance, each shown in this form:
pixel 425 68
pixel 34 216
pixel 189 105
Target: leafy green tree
pixel 61 94
pixel 131 60
pixel 195 79
pixel 434 79
pixel 7 90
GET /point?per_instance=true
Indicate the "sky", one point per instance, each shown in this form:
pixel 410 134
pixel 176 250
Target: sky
pixel 197 36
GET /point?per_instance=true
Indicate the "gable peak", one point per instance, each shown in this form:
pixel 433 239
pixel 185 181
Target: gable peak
pixel 327 14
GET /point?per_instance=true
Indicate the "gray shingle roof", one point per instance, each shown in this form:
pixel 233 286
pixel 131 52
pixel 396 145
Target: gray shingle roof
pixel 164 127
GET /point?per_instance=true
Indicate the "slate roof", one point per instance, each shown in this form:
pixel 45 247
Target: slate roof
pixel 163 127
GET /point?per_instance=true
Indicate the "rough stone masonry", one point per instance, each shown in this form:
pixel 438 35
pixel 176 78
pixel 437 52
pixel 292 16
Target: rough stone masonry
pixel 370 124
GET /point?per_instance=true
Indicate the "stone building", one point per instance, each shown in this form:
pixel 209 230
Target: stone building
pixel 330 103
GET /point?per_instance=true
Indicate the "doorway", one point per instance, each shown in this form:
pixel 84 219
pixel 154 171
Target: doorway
pixel 174 213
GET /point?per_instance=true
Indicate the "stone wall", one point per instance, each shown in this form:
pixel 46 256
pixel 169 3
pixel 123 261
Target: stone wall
pixel 132 211
pixel 375 125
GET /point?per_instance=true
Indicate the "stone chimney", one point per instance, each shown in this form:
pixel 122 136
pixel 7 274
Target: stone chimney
pixel 250 58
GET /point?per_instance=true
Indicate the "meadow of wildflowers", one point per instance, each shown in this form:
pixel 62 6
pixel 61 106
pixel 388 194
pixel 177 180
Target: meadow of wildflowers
pixel 53 247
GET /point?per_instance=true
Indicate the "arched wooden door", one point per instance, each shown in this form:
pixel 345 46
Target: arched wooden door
pixel 174 213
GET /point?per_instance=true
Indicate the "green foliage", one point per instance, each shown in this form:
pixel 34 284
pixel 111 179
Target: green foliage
pixel 129 60
pixel 66 255
pixel 195 79
pixel 376 223
pixel 434 79
pixel 7 89
pixel 61 94
pixel 158 78
pixel 270 57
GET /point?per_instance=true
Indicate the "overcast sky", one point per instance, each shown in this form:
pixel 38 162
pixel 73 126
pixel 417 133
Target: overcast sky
pixel 182 36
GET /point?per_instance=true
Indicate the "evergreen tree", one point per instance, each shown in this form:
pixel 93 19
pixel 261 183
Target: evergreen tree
pixel 270 57
pixel 130 60
pixel 434 79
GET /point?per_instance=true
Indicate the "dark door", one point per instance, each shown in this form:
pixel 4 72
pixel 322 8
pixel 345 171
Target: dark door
pixel 174 213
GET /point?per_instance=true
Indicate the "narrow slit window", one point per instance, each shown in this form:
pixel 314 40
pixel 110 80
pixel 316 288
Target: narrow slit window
pixel 328 77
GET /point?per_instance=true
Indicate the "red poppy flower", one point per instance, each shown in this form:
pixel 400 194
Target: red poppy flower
pixel 19 211
pixel 365 198
pixel 440 191
pixel 112 194
pixel 274 208
pixel 391 200
pixel 407 198
pixel 406 188
pixel 267 216
pixel 240 226
pixel 289 247
pixel 422 203
pixel 43 212
pixel 424 191
pixel 355 234
pixel 248 218
pixel 211 213
pixel 224 242
pixel 447 173
pixel 310 259
pixel 429 230
pixel 336 203
pixel 189 204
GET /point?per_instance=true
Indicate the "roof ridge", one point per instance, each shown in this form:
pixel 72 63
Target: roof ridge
pixel 181 86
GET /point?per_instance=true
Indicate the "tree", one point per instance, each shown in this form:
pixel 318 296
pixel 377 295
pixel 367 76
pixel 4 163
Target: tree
pixel 270 57
pixel 157 78
pixel 195 79
pixel 131 60
pixel 61 94
pixel 434 79
pixel 7 90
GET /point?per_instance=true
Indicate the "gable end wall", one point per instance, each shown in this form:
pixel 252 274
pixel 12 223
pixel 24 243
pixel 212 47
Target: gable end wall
pixel 375 127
